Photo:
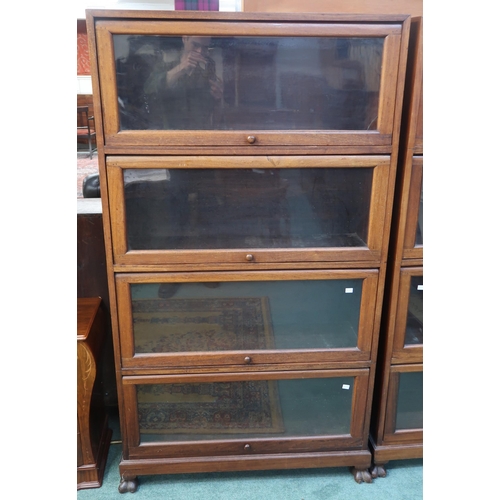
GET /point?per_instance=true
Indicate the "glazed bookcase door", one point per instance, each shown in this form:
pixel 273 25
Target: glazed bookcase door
pixel 247 210
pixel 404 416
pixel 244 415
pixel 245 319
pixel 409 329
pixel 414 229
pixel 309 83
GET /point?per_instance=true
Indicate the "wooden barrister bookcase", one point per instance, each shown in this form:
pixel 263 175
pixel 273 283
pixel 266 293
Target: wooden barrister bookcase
pixel 397 427
pixel 247 166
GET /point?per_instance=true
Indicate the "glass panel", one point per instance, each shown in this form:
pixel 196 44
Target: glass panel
pixel 419 237
pixel 237 83
pixel 415 317
pixel 247 208
pixel 250 409
pixel 409 414
pixel 184 317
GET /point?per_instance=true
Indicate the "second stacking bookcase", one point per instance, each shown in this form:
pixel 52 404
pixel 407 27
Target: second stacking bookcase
pixel 397 427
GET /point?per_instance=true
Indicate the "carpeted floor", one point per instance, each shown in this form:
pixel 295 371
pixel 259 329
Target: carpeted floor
pixel 404 481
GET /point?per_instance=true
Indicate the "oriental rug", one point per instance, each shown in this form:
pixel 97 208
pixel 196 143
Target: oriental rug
pixel 189 325
pixel 202 325
pixel 210 408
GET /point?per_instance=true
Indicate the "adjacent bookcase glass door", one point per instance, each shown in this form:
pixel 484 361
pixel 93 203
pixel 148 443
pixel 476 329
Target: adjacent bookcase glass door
pixel 419 232
pixel 415 318
pixel 409 411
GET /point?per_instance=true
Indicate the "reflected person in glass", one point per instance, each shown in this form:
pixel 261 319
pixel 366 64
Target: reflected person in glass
pixel 184 94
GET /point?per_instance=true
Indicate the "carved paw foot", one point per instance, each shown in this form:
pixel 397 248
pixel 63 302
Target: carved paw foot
pixel 128 485
pixel 361 476
pixel 378 471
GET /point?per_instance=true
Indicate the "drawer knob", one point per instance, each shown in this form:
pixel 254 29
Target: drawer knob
pixel 247 359
pixel 249 257
pixel 247 447
pixel 251 139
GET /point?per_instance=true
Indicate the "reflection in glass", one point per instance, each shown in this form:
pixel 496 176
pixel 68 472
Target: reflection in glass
pixel 415 317
pixel 409 414
pixel 237 83
pixel 247 208
pixel 252 315
pixel 250 409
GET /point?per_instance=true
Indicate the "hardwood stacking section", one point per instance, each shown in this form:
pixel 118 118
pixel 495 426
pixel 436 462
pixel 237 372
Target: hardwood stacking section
pixel 247 166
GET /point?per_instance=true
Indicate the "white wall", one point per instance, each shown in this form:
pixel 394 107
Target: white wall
pixel 84 83
pixel 81 5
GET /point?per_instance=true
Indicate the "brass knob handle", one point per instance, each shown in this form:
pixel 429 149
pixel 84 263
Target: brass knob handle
pixel 249 257
pixel 247 359
pixel 251 139
pixel 247 447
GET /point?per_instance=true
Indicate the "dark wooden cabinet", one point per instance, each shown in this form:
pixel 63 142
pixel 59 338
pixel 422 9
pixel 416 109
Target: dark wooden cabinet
pixel 397 425
pixel 93 433
pixel 247 166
